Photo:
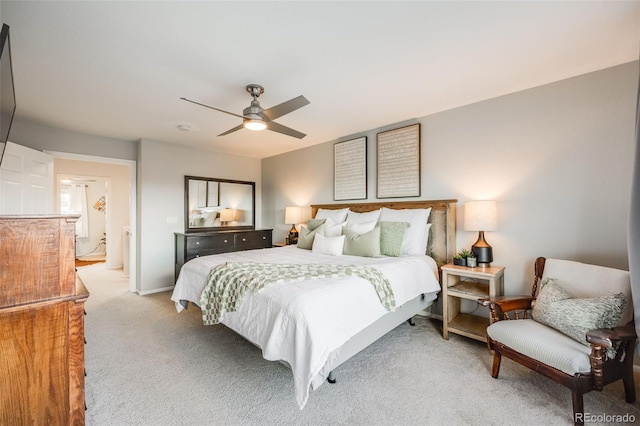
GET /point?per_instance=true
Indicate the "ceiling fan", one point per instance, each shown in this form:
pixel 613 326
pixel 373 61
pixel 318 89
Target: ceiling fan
pixel 255 117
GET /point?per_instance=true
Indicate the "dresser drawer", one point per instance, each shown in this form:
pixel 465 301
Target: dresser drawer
pixel 221 242
pixel 190 246
pixel 252 240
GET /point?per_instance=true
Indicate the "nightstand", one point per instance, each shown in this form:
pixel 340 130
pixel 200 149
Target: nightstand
pixel 461 282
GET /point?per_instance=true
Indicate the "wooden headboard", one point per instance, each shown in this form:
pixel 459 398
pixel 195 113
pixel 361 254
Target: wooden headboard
pixel 442 238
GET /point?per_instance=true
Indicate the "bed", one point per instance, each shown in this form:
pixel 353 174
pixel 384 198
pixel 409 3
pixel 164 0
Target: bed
pixel 315 325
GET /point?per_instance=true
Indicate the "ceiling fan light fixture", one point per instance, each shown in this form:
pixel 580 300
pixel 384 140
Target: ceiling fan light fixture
pixel 255 124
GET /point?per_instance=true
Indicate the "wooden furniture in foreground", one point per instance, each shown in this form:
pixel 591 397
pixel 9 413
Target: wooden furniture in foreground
pixel 461 282
pixel 550 352
pixel 41 322
pixel 196 244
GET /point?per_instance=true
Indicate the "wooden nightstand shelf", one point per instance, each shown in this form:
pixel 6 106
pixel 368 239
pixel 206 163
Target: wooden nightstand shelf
pixel 461 282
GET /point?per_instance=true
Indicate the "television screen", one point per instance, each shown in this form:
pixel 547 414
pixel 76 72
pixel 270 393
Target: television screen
pixel 7 92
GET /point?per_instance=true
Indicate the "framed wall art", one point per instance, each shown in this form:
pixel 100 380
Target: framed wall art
pixel 350 170
pixel 398 157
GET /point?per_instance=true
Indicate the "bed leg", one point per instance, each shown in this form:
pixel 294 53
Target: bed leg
pixel 332 378
pixel 411 322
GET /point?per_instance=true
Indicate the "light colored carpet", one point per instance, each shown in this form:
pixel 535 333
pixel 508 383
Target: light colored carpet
pixel 148 365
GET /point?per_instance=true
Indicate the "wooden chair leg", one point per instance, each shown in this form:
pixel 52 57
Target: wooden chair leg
pixel 629 388
pixel 578 408
pixel 497 356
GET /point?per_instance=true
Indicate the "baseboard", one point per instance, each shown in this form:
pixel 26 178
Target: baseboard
pixel 155 290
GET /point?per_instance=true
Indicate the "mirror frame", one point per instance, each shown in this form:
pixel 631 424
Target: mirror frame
pixel 188 229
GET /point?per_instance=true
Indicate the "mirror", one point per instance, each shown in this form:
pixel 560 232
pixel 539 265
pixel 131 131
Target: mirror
pixel 218 204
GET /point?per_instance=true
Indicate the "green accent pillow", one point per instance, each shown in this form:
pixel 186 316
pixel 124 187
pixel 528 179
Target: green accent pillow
pixel 574 317
pixel 306 236
pixel 391 236
pixel 364 245
pixel 314 223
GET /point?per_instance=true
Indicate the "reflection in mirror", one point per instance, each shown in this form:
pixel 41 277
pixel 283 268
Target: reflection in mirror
pixel 218 204
pixel 213 194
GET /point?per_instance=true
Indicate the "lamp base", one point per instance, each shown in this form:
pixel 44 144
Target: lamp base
pixel 293 235
pixel 482 250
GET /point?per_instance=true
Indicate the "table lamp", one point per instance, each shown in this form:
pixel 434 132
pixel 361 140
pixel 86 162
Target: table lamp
pixel 481 216
pixel 292 215
pixel 226 216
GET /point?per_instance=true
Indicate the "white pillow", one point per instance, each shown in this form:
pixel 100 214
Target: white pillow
pixel 426 233
pixel 416 236
pixel 328 245
pixel 338 216
pixel 355 217
pixel 333 229
pixel 360 227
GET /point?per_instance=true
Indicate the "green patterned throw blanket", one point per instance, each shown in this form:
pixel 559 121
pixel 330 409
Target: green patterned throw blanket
pixel 228 283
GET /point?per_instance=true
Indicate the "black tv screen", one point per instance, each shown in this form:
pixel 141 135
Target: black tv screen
pixel 7 92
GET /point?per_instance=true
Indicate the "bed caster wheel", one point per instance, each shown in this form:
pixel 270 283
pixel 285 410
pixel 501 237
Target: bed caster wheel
pixel 411 322
pixel 332 378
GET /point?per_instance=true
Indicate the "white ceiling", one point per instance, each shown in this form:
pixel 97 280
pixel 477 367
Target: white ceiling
pixel 118 69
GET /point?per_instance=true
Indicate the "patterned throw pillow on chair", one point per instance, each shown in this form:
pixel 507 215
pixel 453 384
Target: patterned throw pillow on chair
pixel 574 317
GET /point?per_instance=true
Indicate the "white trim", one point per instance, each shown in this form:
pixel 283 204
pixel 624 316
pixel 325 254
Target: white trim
pixel 133 250
pixel 155 290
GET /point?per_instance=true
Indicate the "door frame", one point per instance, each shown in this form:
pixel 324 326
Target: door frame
pixel 133 239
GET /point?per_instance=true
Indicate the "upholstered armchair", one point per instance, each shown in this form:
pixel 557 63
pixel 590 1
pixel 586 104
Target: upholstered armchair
pixel 576 328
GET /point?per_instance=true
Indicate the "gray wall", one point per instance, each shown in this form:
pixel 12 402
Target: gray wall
pixel 557 158
pixel 45 138
pixel 161 170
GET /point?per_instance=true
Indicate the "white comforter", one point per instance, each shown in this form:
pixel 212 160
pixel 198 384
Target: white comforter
pixel 303 322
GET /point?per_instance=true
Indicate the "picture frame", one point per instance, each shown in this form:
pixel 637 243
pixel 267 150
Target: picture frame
pixel 398 162
pixel 350 169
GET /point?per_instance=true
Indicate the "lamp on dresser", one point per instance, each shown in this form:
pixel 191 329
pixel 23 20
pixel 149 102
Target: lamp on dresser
pixel 292 216
pixel 481 216
pixel 226 216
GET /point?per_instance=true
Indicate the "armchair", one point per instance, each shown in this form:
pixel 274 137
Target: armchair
pixel 551 332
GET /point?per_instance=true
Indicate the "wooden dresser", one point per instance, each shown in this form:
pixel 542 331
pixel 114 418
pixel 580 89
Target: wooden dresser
pixel 196 244
pixel 41 322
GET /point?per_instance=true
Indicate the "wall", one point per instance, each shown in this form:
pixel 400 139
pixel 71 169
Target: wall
pixel 161 171
pixel 118 201
pixel 557 158
pixel 45 138
pixel 161 168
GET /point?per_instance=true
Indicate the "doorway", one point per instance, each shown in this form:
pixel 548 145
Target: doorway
pixel 112 200
pixel 87 196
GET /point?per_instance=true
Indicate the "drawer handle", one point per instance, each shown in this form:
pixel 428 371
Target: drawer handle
pixel 197 255
pixel 225 241
pixel 244 239
pixel 264 238
pixel 197 242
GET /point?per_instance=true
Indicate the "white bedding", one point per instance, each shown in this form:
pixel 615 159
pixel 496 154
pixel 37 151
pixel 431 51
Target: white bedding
pixel 303 322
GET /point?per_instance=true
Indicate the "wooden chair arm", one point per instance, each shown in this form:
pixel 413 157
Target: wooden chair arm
pixel 622 339
pixel 607 337
pixel 499 306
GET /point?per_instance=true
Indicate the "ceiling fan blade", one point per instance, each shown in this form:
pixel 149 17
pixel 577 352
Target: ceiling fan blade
pixel 241 126
pixel 217 109
pixel 286 107
pixel 273 126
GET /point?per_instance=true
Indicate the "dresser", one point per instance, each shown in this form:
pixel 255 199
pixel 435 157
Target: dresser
pixel 41 322
pixel 196 244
